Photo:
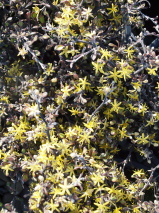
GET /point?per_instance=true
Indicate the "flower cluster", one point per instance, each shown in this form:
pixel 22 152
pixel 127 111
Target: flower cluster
pixel 79 108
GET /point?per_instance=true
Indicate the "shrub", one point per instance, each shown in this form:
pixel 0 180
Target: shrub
pixel 79 107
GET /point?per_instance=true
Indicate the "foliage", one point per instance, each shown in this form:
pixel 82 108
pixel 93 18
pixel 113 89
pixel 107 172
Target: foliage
pixel 79 105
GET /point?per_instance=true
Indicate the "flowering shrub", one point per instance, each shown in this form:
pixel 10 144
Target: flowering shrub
pixel 79 106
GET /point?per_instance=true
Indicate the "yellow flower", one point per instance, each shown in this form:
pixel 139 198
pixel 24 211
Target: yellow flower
pixel 4 99
pixel 87 13
pixel 49 70
pixel 36 10
pixel 105 53
pixel 75 111
pixel 115 75
pixel 70 132
pixel 67 51
pixel 83 83
pixel 97 178
pixel 152 71
pixel 137 86
pixel 65 187
pixel 142 109
pixel 136 210
pixel 22 52
pixel 116 106
pixel 98 67
pixel 125 72
pixel 123 133
pixel 113 9
pixel 19 130
pixel 116 18
pixel 118 193
pixel 34 167
pixel 102 91
pixel 37 195
pixel 51 205
pixel 56 191
pixel 87 194
pixel 7 168
pixel 66 91
pixel 85 137
pixel 117 210
pixel 129 52
pixel 63 146
pixel 138 173
pixel 133 95
pixel 92 124
pixel 102 207
pixel 33 111
pixel 142 139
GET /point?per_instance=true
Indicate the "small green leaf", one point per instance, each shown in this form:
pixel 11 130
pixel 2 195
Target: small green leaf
pixel 41 19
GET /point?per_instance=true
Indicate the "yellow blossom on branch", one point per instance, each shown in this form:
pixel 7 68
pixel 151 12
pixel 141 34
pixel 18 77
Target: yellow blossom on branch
pixel 116 18
pixel 142 139
pixel 22 52
pixel 98 67
pixel 152 71
pixel 115 75
pixel 65 187
pixel 87 194
pixel 52 206
pixel 7 168
pixel 66 91
pixel 105 54
pixel 87 13
pixel 142 109
pixel 130 52
pixel 116 106
pixel 85 137
pixel 126 72
pixel 113 9
pixel 83 83
pixel 138 173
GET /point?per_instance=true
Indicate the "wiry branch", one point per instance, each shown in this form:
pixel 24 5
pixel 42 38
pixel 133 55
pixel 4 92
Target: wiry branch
pixel 41 65
pixel 148 182
pixel 105 101
pixel 42 117
pixel 79 56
